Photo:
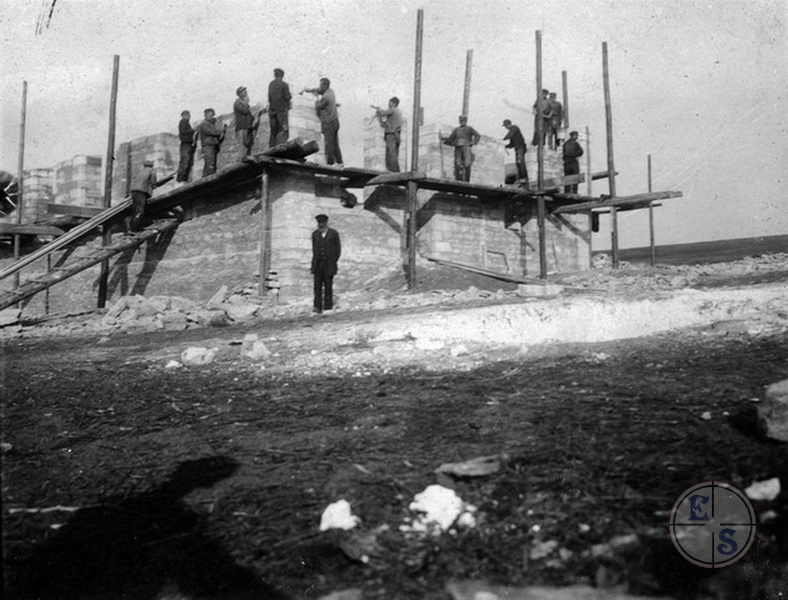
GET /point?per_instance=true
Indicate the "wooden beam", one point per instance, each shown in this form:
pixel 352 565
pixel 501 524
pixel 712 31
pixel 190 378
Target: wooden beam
pixel 610 162
pixel 487 272
pixel 413 202
pixel 73 211
pixel 265 233
pixel 615 202
pixel 107 238
pixel 17 229
pixel 466 92
pixel 652 249
pixel 20 203
pixel 621 209
pixel 396 178
pixel 540 203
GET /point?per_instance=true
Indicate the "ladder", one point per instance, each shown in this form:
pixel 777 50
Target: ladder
pixel 77 265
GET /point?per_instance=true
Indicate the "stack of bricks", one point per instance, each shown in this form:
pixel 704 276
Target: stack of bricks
pixel 375 146
pixel 77 182
pixel 161 148
pixel 37 194
pixel 437 159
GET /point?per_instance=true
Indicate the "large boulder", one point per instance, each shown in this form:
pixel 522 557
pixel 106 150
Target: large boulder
pixel 773 411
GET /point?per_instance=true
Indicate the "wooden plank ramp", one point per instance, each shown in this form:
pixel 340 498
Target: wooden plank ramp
pixel 71 268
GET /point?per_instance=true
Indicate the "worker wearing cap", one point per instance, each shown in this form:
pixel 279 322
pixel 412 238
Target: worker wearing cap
pixel 279 104
pixel 211 138
pixel 516 141
pixel 244 123
pixel 572 151
pixel 326 250
pixel 463 138
pixel 141 191
pixel 390 120
pixel 326 108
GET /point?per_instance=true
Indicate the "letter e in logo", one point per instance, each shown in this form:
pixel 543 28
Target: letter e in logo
pixel 696 512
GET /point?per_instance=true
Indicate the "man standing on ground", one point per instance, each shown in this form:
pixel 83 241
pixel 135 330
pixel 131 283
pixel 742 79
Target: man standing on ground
pixel 326 250
pixel 326 107
pixel 211 138
pixel 554 123
pixel 279 103
pixel 390 120
pixel 187 148
pixel 572 151
pixel 541 112
pixel 516 141
pixel 463 138
pixel 244 123
pixel 141 191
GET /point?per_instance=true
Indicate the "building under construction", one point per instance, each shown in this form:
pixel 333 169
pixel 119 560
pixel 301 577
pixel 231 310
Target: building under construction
pixel 251 221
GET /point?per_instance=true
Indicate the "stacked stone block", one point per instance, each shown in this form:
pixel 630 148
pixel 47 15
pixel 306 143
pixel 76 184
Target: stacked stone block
pixel 437 159
pixel 161 148
pixel 77 182
pixel 37 194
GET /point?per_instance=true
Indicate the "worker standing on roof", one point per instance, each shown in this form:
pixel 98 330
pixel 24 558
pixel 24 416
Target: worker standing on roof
pixel 390 120
pixel 516 141
pixel 326 107
pixel 279 104
pixel 463 138
pixel 542 110
pixel 554 122
pixel 187 148
pixel 141 191
pixel 245 123
pixel 572 151
pixel 211 138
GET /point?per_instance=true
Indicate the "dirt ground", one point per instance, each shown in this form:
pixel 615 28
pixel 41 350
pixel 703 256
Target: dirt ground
pixel 210 481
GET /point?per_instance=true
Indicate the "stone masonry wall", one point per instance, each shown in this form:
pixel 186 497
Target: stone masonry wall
pixel 77 181
pixel 221 246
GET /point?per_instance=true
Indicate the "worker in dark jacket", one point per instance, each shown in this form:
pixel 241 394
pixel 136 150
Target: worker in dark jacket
pixel 211 138
pixel 516 141
pixel 463 138
pixel 187 148
pixel 279 105
pixel 245 123
pixel 141 191
pixel 326 250
pixel 572 151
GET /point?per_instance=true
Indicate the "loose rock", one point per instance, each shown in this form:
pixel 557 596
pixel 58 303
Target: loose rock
pixel 773 412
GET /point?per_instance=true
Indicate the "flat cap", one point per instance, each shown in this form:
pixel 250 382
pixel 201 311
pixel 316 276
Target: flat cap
pixel 322 218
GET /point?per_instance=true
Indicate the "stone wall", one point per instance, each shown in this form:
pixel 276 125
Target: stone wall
pixel 220 245
pixel 77 181
pixel 161 148
pixel 38 193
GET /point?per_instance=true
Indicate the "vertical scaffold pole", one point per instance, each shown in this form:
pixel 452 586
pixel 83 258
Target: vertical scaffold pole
pixel 414 157
pixel 565 90
pixel 466 93
pixel 20 200
pixel 652 247
pixel 540 202
pixel 108 163
pixel 265 233
pixel 611 168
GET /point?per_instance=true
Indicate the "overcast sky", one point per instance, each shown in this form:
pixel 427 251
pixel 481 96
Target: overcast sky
pixel 701 86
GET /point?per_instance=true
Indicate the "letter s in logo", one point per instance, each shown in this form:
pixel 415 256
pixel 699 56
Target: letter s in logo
pixel 728 545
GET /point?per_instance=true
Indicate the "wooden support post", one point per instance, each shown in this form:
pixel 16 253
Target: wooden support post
pixel 108 164
pixel 589 185
pixel 565 90
pixel 540 203
pixel 653 255
pixel 466 94
pixel 20 194
pixel 265 233
pixel 128 171
pixel 611 169
pixel 414 157
pixel 46 293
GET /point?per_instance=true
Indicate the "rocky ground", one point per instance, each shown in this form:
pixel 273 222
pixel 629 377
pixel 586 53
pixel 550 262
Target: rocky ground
pixel 163 449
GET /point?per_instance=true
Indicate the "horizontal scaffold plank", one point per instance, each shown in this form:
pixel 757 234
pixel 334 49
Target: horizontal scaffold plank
pixel 397 178
pixel 606 202
pixel 21 229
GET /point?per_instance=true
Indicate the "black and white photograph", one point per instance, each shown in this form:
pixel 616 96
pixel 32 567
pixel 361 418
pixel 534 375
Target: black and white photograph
pixel 394 300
